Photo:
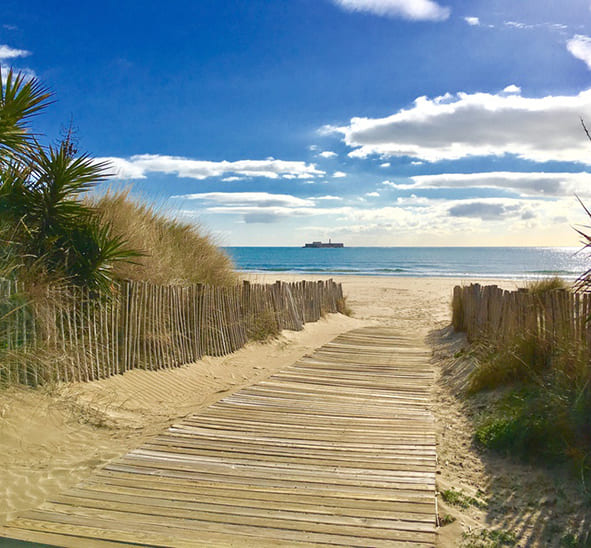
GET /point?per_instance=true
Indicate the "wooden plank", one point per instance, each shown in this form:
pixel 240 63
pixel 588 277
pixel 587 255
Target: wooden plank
pixel 337 449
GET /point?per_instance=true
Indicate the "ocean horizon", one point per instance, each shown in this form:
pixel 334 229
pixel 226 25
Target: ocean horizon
pixel 454 262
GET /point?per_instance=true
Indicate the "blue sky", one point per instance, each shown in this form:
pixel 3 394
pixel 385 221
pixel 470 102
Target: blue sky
pixel 372 122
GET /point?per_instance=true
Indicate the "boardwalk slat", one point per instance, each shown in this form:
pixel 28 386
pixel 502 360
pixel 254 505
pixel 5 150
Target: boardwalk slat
pixel 335 450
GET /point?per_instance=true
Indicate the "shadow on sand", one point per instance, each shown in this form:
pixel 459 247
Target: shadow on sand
pixel 524 504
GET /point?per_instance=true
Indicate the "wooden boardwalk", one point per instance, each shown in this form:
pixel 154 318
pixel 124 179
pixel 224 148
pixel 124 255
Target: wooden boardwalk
pixel 337 449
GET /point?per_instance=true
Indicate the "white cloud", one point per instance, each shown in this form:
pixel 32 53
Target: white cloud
pixel 385 164
pixel 416 10
pixel 518 25
pixel 339 174
pixel 260 199
pixel 261 207
pixel 328 197
pixel 123 169
pixel 413 220
pixel 526 184
pixel 328 154
pixel 580 47
pixel 451 127
pixel 372 194
pixel 555 27
pixel 472 21
pixel 512 88
pixel 6 52
pixel 138 166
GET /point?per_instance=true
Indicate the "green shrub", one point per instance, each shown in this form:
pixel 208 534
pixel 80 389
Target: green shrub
pixel 526 358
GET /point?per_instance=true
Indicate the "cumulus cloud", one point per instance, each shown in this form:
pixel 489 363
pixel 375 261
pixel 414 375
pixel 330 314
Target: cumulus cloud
pixel 457 126
pixel 328 197
pixel 6 52
pixel 138 166
pixel 328 154
pixel 385 164
pixel 372 194
pixel 416 10
pixel 512 89
pixel 526 184
pixel 580 47
pixel 472 21
pixel 339 174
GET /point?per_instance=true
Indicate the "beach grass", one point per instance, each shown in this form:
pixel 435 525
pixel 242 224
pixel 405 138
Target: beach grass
pixel 173 252
pixel 541 409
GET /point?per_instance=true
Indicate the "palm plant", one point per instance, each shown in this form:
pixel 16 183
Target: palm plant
pixel 20 99
pixel 40 191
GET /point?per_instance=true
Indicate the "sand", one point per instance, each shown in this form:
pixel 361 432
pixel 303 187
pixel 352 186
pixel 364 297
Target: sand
pixel 52 438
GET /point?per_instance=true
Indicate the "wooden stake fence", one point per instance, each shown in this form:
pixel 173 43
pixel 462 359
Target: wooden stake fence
pixel 72 334
pixel 494 314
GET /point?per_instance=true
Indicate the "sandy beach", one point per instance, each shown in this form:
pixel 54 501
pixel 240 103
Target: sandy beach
pixel 56 436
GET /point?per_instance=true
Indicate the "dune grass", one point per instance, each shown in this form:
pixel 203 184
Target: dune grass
pixel 543 285
pixel 541 411
pixel 172 252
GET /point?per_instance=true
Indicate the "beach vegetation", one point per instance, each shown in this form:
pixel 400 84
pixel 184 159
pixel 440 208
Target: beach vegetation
pixel 461 499
pixel 263 326
pixel 343 307
pixel 543 411
pixel 57 231
pixel 489 539
pixel 172 251
pixel 544 285
pixel 52 230
pixel 48 231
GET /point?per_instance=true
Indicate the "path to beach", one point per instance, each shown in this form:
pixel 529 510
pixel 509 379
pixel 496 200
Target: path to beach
pixel 337 449
pixel 56 440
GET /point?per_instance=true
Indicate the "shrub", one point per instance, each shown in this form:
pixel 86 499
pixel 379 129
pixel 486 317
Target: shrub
pixel 525 359
pixel 263 326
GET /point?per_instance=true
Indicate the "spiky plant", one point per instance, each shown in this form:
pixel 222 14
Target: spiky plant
pixel 40 197
pixel 20 99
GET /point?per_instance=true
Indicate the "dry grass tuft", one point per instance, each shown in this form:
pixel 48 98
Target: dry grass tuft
pixel 537 287
pixel 174 252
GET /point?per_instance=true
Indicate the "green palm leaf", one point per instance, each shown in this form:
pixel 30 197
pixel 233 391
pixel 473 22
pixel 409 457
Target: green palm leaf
pixel 20 99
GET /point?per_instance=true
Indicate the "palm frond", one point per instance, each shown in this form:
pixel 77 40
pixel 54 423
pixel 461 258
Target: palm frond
pixel 20 99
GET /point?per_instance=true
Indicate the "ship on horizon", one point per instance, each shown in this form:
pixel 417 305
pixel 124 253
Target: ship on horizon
pixel 324 245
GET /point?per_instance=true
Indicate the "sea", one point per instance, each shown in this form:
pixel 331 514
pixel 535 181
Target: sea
pixel 458 262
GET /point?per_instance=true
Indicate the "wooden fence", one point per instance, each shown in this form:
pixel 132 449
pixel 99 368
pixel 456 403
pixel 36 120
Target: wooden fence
pixel 70 334
pixel 491 313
